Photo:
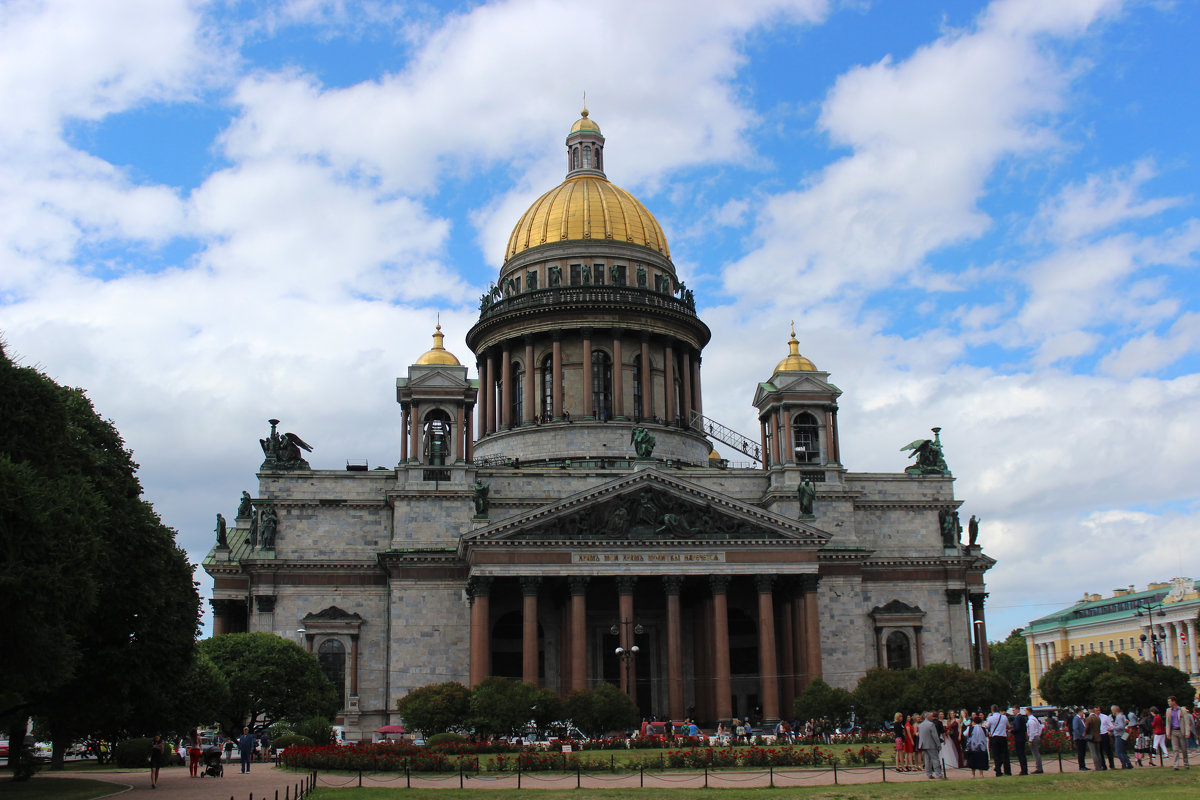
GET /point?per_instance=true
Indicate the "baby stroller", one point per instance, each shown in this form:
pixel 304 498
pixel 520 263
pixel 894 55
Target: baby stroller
pixel 212 762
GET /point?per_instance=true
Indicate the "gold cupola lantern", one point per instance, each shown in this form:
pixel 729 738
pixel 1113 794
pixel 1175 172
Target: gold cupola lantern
pixel 438 354
pixel 794 362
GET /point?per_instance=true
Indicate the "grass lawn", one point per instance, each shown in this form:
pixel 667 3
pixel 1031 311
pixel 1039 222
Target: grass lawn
pixel 1119 785
pixel 55 789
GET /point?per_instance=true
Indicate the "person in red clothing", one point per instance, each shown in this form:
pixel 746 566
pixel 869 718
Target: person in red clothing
pixel 1159 727
pixel 194 753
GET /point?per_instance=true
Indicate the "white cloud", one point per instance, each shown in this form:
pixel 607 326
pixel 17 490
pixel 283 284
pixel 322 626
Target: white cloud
pixel 1101 202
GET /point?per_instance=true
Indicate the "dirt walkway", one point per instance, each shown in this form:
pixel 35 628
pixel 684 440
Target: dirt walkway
pixel 174 783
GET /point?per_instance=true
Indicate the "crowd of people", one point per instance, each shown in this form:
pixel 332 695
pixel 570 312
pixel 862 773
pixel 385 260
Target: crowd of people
pixel 1108 736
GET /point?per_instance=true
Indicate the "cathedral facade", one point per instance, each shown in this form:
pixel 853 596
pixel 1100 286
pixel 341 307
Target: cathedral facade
pixel 564 518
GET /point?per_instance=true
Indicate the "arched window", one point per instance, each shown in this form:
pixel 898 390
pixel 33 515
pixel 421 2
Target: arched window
pixel 899 651
pixel 436 437
pixel 601 384
pixel 805 434
pixel 518 392
pixel 332 657
pixel 598 164
pixel 574 158
pixel 637 387
pixel 587 156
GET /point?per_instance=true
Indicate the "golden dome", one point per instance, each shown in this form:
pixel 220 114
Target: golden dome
pixel 584 124
pixel 438 354
pixel 794 361
pixel 714 455
pixel 586 207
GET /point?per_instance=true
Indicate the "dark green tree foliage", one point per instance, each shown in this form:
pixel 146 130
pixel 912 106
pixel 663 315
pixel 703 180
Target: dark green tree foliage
pixel 194 698
pixel 1010 660
pixel 100 611
pixel 500 707
pixel 270 679
pixel 819 699
pixel 602 710
pixel 437 708
pixel 882 692
pixel 1099 679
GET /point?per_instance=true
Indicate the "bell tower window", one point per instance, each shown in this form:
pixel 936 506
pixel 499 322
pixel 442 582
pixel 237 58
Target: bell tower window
pixel 806 435
pixel 518 392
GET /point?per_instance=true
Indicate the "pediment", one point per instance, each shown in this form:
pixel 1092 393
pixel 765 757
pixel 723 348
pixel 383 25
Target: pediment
pixel 648 507
pixel 438 378
pixel 332 614
pixel 896 609
pixel 797 383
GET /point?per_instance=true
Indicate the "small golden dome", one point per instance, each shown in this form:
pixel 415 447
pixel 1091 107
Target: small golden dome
pixel 584 124
pixel 714 455
pixel 438 354
pixel 586 207
pixel 794 361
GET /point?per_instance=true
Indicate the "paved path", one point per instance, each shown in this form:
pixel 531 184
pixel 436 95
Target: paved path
pixel 174 783
pixel 264 781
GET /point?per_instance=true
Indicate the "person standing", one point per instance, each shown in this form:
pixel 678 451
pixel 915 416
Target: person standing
pixel 931 745
pixel 1033 729
pixel 1079 736
pixel 246 748
pixel 976 745
pixel 1092 735
pixel 193 752
pixel 1179 728
pixel 1020 739
pixel 1106 737
pixel 1159 727
pixel 997 729
pixel 157 747
pixel 1120 730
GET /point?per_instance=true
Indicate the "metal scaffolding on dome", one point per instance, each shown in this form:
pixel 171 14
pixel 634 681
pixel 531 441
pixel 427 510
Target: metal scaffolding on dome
pixel 745 445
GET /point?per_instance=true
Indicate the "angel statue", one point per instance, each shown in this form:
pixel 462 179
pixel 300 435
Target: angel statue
pixel 283 451
pixel 642 441
pixel 930 460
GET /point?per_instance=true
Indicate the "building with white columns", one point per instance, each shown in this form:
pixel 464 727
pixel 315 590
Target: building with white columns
pixel 1158 624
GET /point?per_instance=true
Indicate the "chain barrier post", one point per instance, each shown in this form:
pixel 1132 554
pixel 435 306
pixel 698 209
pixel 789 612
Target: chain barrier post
pixel 578 777
pixel 706 776
pixel 771 769
pixel 835 783
pixel 642 775
pixel 460 773
pixel 407 776
pixel 1060 762
pixel 883 769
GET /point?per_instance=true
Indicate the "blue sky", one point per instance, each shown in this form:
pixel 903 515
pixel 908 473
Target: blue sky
pixel 980 215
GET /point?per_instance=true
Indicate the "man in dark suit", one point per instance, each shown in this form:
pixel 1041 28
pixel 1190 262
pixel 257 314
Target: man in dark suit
pixel 1079 736
pixel 1020 737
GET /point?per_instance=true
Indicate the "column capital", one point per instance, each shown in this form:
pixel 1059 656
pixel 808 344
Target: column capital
pixel 718 584
pixel 578 584
pixel 585 333
pixel 530 586
pixel 479 586
pixel 808 583
pixel 977 598
pixel 672 584
pixel 626 584
pixel 955 596
pixel 764 583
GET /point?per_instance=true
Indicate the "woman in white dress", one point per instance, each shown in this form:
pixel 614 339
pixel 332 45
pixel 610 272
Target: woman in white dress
pixel 949 741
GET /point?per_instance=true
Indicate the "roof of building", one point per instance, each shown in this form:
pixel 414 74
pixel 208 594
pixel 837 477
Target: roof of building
pixel 794 362
pixel 1091 611
pixel 586 206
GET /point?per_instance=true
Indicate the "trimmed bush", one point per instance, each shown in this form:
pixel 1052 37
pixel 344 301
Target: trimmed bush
pixel 133 753
pixel 444 738
pixel 291 740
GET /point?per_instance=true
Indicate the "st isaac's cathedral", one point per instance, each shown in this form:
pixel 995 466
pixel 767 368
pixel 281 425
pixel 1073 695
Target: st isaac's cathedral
pixel 570 501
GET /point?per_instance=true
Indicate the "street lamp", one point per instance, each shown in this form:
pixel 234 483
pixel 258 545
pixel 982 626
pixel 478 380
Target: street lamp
pixel 627 655
pixel 1147 610
pixel 300 636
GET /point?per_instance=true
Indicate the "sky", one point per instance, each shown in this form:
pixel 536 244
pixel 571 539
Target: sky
pixel 979 216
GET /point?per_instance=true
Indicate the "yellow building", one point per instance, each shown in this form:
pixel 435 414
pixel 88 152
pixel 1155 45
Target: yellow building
pixel 1156 624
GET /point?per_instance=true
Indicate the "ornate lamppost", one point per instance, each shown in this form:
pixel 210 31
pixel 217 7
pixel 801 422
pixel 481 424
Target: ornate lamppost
pixel 1147 610
pixel 627 655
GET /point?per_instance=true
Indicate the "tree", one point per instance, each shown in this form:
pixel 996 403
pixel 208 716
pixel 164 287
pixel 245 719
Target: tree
pixel 503 707
pixel 883 692
pixel 438 708
pixel 819 699
pixel 603 709
pixel 1099 679
pixel 270 679
pixel 85 648
pixel 1010 660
